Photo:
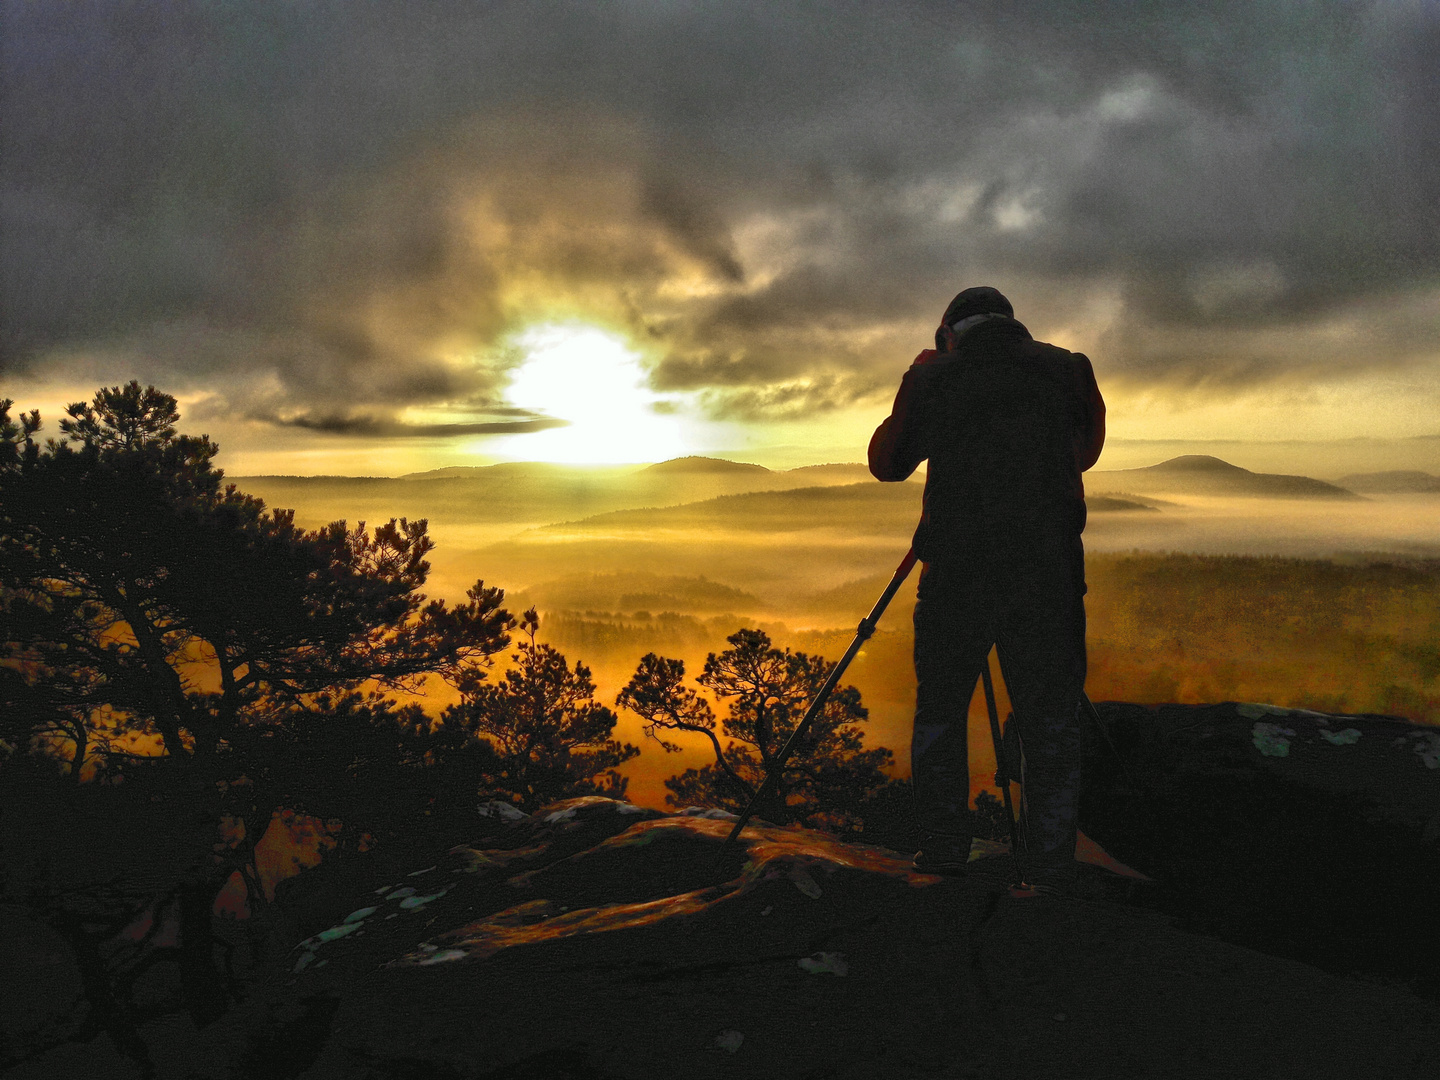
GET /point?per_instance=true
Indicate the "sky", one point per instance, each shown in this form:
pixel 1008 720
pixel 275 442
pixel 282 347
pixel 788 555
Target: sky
pixel 379 237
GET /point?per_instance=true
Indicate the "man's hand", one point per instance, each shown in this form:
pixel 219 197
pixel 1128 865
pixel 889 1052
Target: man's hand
pixel 926 355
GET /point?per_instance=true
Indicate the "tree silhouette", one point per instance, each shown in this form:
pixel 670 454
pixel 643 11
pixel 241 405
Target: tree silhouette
pixel 549 736
pixel 829 775
pixel 131 580
pixel 382 774
pixel 184 637
pixel 990 818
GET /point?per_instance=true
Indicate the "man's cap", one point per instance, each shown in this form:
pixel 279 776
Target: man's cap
pixel 979 300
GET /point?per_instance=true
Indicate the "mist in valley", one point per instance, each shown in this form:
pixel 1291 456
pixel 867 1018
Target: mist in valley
pixel 1207 582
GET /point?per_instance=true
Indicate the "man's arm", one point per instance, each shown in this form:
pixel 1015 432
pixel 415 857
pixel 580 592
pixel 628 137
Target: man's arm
pixel 897 446
pixel 1092 433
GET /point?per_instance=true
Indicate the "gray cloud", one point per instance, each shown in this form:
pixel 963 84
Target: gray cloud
pixel 385 428
pixel 335 213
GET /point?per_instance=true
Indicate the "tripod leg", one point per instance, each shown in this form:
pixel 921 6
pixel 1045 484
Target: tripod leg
pixel 1002 774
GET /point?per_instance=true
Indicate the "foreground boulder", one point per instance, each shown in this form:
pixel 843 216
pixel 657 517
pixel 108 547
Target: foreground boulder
pixel 1306 834
pixel 601 940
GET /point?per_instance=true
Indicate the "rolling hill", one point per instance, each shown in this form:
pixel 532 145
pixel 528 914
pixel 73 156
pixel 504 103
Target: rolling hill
pixel 702 466
pixel 864 509
pixel 533 493
pixel 637 590
pixel 1201 474
pixel 856 508
pixel 1394 482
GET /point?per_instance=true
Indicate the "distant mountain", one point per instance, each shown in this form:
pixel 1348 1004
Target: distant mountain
pixel 1195 463
pixel 518 469
pixel 684 490
pixel 1394 482
pixel 636 590
pixel 866 509
pixel 856 508
pixel 696 464
pixel 1101 504
pixel 531 493
pixel 847 473
pixel 1201 474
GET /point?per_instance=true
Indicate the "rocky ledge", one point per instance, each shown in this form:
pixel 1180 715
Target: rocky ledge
pixel 597 939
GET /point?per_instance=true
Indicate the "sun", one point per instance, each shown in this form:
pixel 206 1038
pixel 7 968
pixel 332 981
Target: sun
pixel 592 380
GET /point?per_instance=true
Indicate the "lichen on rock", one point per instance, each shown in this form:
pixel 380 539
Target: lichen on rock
pixel 1271 739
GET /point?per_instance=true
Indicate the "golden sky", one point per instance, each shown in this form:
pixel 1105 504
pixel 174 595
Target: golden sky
pixel 412 235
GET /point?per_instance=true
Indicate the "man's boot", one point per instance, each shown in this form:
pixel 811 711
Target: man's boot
pixel 940 783
pixel 1051 794
pixel 942 853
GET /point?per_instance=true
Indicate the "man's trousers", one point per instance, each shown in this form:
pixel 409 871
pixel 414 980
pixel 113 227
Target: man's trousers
pixel 1039 633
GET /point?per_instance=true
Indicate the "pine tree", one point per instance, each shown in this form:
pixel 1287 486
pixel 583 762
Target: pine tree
pixel 829 775
pixel 550 738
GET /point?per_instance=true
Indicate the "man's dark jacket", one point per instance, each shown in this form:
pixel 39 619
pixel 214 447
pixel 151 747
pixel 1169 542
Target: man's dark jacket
pixel 1008 425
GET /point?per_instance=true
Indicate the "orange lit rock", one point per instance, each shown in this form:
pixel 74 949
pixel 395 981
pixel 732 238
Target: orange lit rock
pixel 592 941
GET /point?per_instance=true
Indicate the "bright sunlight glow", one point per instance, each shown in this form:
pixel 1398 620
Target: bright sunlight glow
pixel 590 378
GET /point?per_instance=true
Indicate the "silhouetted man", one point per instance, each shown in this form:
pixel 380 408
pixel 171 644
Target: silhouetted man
pixel 1008 425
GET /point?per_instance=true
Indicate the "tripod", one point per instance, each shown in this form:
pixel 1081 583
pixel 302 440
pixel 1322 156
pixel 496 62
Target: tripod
pixel 1003 777
pixel 1004 767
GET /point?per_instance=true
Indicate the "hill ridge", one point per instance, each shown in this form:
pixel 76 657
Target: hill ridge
pixel 1393 482
pixel 701 463
pixel 1204 474
pixel 1197 463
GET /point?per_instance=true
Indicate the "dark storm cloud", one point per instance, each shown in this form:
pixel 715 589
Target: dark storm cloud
pixel 384 428
pixel 328 213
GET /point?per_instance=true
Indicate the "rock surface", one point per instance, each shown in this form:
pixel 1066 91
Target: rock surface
pixel 1305 834
pixel 601 940
pixel 1288 931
